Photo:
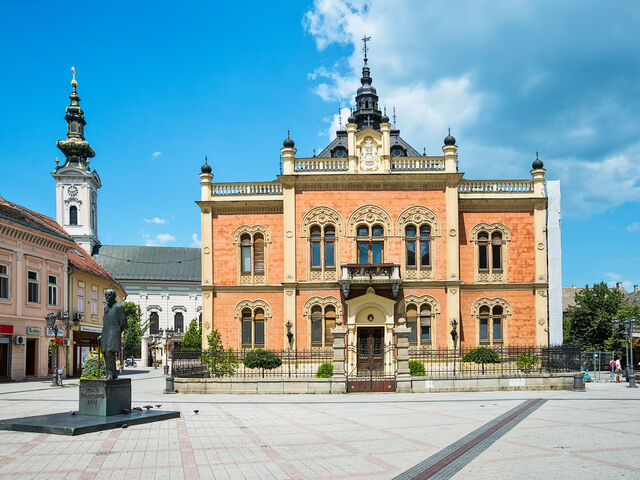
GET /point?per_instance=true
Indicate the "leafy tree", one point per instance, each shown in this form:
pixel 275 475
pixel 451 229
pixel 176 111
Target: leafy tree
pixel 90 367
pixel 192 339
pixel 221 362
pixel 325 370
pixel 616 342
pixel 589 320
pixel 134 330
pixel 263 359
pixel 482 355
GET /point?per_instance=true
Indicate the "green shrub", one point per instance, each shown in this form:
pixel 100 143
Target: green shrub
pixel 325 370
pixel 527 362
pixel 482 355
pixel 416 367
pixel 264 359
pixel 90 368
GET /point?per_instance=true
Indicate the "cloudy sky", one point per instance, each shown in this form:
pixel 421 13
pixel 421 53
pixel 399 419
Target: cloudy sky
pixel 161 87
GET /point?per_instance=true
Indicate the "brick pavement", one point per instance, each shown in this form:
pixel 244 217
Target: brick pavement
pixel 359 436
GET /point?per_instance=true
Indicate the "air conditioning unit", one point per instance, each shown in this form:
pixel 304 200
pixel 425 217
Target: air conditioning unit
pixel 63 315
pixel 77 317
pixel 20 340
pixel 66 342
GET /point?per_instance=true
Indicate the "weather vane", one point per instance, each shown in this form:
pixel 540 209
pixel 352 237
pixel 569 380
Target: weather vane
pixel 365 39
pixel 73 81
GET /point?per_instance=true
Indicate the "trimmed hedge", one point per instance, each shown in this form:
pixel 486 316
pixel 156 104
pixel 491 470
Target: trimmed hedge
pixel 416 367
pixel 325 370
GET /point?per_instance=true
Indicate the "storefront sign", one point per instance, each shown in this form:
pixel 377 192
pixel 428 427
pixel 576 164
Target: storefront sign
pixel 34 330
pixel 6 329
pixel 84 328
pixel 52 333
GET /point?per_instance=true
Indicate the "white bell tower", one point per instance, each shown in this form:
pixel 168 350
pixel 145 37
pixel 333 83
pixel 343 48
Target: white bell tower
pixel 76 185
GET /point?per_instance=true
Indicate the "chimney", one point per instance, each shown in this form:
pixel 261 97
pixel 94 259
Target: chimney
pixel 635 289
pixel 619 285
pixel 573 286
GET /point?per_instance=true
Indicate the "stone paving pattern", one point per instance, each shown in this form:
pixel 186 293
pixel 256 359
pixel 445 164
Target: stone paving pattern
pixel 591 434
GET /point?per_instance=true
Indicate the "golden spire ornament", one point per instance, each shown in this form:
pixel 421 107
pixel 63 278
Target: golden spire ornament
pixel 73 82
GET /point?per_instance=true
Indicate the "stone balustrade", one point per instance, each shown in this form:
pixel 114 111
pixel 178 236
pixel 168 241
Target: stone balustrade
pixel 247 188
pixel 417 163
pixel 321 165
pixel 495 186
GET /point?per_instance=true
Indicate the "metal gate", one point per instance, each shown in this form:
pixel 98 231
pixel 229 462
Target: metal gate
pixel 371 363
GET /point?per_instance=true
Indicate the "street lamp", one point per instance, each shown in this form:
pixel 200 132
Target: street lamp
pixel 168 333
pixel 51 325
pixel 628 345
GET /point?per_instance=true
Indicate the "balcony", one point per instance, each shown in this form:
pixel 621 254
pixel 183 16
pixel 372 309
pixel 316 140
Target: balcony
pixel 374 274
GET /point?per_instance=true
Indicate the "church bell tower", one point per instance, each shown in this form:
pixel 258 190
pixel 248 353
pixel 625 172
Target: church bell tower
pixel 76 185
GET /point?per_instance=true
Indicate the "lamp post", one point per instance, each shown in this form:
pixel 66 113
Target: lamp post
pixel 454 337
pixel 168 333
pixel 627 326
pixel 51 324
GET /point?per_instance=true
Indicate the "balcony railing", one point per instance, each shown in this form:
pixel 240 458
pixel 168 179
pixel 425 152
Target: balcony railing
pixel 322 165
pixel 417 163
pixel 366 271
pixel 249 188
pixel 495 186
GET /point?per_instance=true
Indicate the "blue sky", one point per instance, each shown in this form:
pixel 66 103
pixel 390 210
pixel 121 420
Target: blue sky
pixel 164 84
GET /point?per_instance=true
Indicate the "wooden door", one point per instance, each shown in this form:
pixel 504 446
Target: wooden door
pixel 370 350
pixel 30 369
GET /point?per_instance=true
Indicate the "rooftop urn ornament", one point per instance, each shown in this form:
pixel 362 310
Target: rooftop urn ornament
pixel 206 168
pixel 449 140
pixel 537 163
pixel 288 142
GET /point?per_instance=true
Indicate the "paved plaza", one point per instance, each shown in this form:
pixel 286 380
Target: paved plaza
pixel 592 434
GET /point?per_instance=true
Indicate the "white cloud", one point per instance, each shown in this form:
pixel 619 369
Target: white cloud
pixel 634 227
pixel 160 221
pixel 160 240
pixel 196 242
pixel 156 154
pixel 613 276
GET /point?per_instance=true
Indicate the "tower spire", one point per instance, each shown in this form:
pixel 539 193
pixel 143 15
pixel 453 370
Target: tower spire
pixel 75 147
pixel 367 113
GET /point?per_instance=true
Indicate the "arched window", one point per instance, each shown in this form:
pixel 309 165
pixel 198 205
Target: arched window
pixel 497 323
pixel 253 328
pixel 73 215
pixel 484 324
pixel 425 324
pixel 258 253
pixel 322 247
pixel 245 253
pixel 411 318
pixel 483 251
pixel 417 249
pixel 154 323
pixel 329 246
pixel 316 325
pixel 410 236
pixel 496 251
pixel 370 244
pixel 329 323
pixel 425 246
pixel 316 245
pixel 178 322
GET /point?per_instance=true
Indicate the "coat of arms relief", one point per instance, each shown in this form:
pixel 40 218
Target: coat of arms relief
pixel 369 155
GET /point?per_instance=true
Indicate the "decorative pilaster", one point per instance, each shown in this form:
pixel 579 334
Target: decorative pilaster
pixel 289 213
pixel 540 249
pixel 403 377
pixel 206 234
pixel 288 156
pixel 351 144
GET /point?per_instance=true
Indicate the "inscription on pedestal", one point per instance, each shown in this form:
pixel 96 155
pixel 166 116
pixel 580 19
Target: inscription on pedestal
pixel 104 397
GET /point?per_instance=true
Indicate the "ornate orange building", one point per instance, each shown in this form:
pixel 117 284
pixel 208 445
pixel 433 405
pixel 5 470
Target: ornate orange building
pixel 370 231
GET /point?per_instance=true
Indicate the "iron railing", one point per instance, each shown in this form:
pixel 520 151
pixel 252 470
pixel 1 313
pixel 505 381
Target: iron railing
pixel 295 363
pixel 512 360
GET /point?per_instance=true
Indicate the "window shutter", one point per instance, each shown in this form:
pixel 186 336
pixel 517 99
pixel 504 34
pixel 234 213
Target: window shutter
pixel 258 254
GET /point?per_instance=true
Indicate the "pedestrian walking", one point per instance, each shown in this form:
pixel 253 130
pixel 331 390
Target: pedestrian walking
pixel 618 369
pixel 612 366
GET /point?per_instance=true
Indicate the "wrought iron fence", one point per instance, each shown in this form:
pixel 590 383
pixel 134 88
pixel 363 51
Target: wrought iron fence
pixel 511 360
pixel 295 363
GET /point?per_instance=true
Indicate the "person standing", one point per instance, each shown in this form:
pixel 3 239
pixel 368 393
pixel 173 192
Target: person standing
pixel 618 369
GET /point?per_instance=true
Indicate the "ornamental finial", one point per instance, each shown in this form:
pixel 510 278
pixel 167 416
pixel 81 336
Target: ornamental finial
pixel 73 81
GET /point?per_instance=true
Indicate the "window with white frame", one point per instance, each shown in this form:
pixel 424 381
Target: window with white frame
pixel 253 328
pixel 490 324
pixel 80 297
pixel 323 319
pixel 94 303
pixel 252 252
pixel 33 287
pixel 4 282
pixel 490 251
pixel 53 290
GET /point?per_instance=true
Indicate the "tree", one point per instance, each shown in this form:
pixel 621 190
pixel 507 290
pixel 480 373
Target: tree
pixel 192 339
pixel 221 362
pixel 482 355
pixel 263 359
pixel 135 329
pixel 590 319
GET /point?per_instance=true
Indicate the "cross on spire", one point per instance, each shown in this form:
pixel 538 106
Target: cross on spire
pixel 365 39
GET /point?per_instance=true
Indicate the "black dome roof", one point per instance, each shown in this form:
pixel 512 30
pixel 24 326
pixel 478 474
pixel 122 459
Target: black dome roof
pixel 449 140
pixel 288 143
pixel 537 163
pixel 206 168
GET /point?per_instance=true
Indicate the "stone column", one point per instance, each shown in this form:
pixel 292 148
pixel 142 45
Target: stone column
pixel 540 249
pixel 351 144
pixel 339 380
pixel 144 351
pixel 403 377
pixel 289 213
pixel 206 232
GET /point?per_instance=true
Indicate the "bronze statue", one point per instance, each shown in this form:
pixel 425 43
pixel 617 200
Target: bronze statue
pixel 114 322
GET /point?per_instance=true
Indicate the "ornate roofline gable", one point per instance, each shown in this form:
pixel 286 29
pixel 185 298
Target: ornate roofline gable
pixel 251 230
pixel 321 216
pixel 252 304
pixel 490 302
pixel 490 227
pixel 370 215
pixel 417 215
pixel 420 300
pixel 323 302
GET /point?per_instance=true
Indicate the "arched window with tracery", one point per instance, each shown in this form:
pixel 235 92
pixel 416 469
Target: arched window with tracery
pixel 253 316
pixel 490 242
pixel 321 315
pixel 322 227
pixel 252 253
pixel 418 226
pixel 419 313
pixel 370 242
pixel 491 316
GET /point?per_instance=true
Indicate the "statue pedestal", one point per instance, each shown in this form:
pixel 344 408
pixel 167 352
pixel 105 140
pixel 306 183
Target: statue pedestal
pixel 103 398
